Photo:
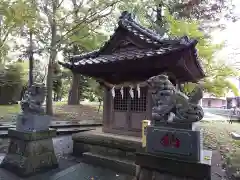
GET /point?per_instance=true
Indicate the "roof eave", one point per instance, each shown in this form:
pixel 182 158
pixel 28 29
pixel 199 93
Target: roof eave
pixel 91 54
pixel 67 65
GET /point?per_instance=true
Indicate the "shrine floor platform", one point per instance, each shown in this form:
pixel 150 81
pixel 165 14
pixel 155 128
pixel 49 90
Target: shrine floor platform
pixel 107 150
pixel 97 135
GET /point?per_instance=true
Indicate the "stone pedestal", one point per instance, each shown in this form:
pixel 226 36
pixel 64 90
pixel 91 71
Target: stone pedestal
pixel 179 125
pixel 174 142
pixel 28 122
pixel 159 167
pixel 30 152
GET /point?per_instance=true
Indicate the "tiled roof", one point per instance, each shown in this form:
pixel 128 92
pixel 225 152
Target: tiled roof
pixel 127 22
pixel 127 54
pixel 158 46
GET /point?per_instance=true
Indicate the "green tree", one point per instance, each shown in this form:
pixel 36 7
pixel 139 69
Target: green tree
pixel 83 39
pixel 165 18
pixel 57 82
pixel 11 83
pixel 62 26
pixel 207 12
pixel 13 16
pixel 216 70
pixel 95 92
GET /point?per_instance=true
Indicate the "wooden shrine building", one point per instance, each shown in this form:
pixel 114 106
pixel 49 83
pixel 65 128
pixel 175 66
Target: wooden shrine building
pixel 131 56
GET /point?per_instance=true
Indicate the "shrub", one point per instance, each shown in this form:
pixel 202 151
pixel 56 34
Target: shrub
pixel 11 83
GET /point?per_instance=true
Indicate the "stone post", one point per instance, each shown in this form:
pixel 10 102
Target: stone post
pixel 31 147
pixel 30 152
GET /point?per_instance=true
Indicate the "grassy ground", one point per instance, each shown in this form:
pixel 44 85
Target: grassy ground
pixel 6 111
pixel 79 112
pixel 217 136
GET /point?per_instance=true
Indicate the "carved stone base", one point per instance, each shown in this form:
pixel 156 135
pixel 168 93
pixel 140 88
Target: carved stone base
pixel 152 167
pixel 32 122
pixel 179 125
pixel 181 143
pixel 30 152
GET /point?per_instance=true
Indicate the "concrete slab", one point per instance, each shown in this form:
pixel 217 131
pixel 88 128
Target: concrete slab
pixel 61 131
pixel 3 134
pixel 115 163
pixel 83 171
pixel 59 124
pixel 4 126
pixel 69 170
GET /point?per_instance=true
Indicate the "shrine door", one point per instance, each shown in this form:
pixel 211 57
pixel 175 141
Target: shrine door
pixel 129 112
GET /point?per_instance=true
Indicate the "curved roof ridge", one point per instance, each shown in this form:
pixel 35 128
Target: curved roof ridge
pixel 91 54
pixel 126 20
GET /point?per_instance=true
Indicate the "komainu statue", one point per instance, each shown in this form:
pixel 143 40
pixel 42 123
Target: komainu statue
pixel 171 105
pixel 33 99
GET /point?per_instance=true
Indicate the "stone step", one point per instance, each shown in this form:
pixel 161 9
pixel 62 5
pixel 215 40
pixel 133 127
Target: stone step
pixel 60 131
pixel 3 133
pixel 73 130
pixel 235 135
pixel 6 127
pixel 114 163
pixel 58 124
pixel 83 123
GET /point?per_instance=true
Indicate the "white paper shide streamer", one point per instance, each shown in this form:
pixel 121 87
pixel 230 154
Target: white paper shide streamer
pixel 171 117
pixel 131 92
pixel 113 91
pixel 121 91
pixel 138 91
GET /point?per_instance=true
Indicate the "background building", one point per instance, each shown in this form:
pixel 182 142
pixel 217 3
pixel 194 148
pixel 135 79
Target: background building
pixel 230 100
pixel 214 102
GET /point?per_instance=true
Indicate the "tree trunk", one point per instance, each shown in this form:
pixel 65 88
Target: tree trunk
pixel 54 96
pixel 31 58
pixel 49 103
pixel 74 92
pixel 58 96
pixel 53 55
pixel 73 96
pixel 100 104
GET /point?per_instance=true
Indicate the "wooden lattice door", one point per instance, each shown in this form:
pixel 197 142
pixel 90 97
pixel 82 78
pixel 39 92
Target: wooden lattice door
pixel 128 112
pixel 120 109
pixel 138 109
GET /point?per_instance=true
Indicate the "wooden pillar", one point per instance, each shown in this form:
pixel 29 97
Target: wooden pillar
pixel 106 109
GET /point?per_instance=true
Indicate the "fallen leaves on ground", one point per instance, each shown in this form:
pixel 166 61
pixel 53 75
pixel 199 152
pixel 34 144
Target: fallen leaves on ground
pixel 217 136
pixel 62 111
pixel 77 112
